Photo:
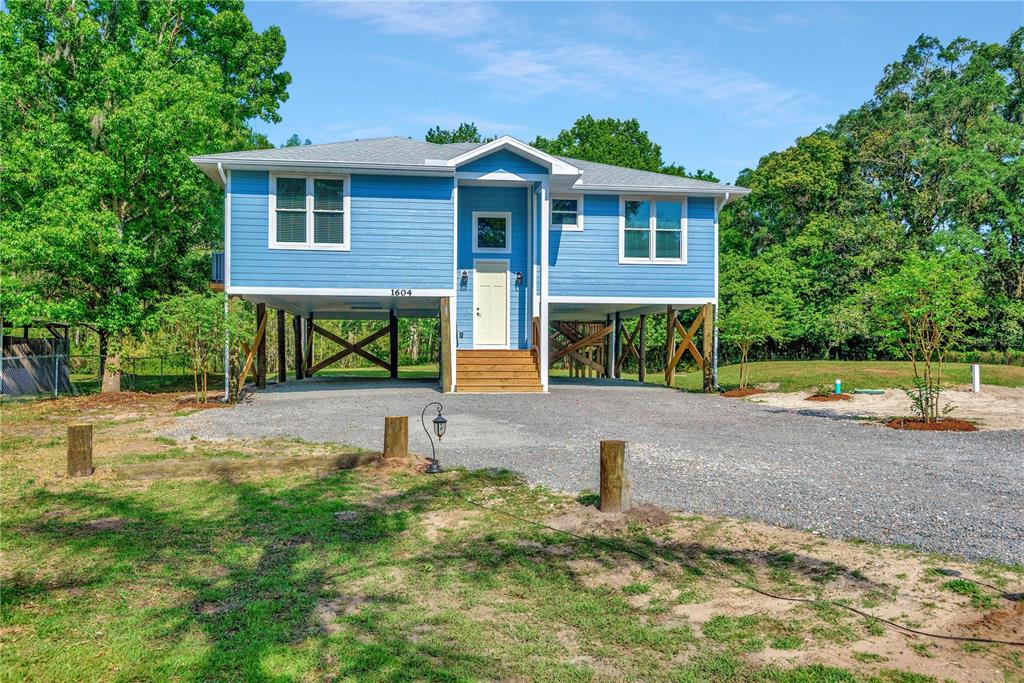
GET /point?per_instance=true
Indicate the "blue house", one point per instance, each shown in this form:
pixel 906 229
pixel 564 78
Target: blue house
pixel 528 259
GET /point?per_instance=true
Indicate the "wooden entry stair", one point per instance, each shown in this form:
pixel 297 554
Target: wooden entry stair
pixel 497 371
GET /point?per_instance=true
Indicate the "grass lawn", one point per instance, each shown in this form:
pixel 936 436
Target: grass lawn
pixel 799 375
pixel 261 579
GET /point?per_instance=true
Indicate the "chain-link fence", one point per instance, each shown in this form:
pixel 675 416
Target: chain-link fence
pixel 29 375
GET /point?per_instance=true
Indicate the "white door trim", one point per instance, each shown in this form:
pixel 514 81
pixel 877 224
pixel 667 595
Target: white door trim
pixel 508 308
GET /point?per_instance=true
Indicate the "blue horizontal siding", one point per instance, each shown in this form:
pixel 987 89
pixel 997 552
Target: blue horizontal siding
pixel 512 199
pixel 401 234
pixel 502 160
pixel 587 263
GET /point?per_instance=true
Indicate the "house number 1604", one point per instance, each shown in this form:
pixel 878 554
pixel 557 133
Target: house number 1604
pixel 401 292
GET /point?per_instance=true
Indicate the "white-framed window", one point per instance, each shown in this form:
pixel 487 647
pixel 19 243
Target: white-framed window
pixel 567 213
pixel 309 212
pixel 652 230
pixel 492 232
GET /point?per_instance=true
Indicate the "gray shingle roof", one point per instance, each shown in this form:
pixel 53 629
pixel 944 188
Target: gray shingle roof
pixel 399 151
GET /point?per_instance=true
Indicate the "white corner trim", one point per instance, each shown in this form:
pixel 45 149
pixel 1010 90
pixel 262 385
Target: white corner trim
pixel 309 244
pixel 413 292
pixel 557 166
pixel 508 303
pixel 579 212
pixel 227 230
pixel 507 215
pixel 651 260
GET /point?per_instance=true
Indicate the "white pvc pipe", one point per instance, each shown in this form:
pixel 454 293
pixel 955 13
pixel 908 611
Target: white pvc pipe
pixel 976 378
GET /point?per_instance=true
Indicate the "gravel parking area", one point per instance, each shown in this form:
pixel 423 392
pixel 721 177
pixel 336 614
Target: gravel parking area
pixel 955 493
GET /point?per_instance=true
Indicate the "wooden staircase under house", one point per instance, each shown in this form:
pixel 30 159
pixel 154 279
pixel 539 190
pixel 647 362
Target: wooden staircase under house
pixel 498 371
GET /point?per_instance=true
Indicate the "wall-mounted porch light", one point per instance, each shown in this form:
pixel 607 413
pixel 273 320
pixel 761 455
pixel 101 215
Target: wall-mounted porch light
pixel 519 278
pixel 464 278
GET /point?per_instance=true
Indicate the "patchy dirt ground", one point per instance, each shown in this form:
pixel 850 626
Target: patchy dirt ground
pixel 995 408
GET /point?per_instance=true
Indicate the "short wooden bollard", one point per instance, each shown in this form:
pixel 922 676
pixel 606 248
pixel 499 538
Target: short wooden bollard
pixel 79 450
pixel 616 494
pixel 396 436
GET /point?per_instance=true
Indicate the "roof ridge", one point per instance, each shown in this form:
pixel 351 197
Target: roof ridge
pixel 643 170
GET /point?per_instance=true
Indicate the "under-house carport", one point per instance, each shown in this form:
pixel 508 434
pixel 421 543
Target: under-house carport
pixel 593 339
pixel 308 312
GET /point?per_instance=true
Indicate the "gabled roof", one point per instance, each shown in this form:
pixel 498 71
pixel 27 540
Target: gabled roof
pixel 398 154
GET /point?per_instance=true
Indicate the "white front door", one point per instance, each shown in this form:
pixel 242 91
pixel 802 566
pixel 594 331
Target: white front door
pixel 490 303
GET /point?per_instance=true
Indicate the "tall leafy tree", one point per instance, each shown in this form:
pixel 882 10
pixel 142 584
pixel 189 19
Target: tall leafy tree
pixel 296 141
pixel 102 104
pixel 465 132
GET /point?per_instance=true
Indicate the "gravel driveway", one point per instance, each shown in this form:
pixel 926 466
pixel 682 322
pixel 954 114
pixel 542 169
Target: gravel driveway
pixel 961 494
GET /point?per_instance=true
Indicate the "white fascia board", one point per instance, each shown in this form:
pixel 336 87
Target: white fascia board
pixel 339 291
pixel 557 166
pixel 631 300
pixel 317 166
pixel 732 193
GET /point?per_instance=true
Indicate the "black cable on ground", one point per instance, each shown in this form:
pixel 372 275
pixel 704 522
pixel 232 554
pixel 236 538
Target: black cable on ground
pixel 616 545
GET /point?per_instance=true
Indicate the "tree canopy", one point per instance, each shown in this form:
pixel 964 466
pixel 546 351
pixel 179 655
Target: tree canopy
pixel 102 104
pixel 465 132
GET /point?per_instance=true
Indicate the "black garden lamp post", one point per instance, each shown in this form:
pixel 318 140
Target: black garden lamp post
pixel 440 424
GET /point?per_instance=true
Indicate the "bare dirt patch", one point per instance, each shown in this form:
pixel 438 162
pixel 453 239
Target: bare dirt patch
pixel 945 425
pixel 740 393
pixel 995 408
pixel 829 398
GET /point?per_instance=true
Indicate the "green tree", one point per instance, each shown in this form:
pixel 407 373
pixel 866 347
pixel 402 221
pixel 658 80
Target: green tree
pixel 196 323
pixel 465 132
pixel 102 212
pixel 296 141
pixel 680 170
pixel 605 141
pixel 746 323
pixel 923 311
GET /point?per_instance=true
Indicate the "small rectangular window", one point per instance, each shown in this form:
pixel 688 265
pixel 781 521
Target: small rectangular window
pixel 638 229
pixel 492 231
pixel 291 210
pixel 567 213
pixel 328 211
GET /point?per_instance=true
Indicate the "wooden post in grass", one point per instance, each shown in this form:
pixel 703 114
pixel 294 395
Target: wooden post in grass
pixel 396 436
pixel 79 450
pixel 616 495
pixel 708 350
pixel 297 329
pixel 282 357
pixel 261 347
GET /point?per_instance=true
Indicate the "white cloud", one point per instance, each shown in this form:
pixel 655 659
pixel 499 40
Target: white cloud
pixel 437 19
pixel 738 22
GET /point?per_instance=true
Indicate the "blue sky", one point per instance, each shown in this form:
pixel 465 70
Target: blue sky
pixel 717 85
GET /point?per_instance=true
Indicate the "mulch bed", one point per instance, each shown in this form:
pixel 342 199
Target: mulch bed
pixel 945 425
pixel 829 397
pixel 740 393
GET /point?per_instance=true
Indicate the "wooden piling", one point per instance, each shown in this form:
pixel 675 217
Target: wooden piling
pixel 396 436
pixel 616 494
pixel 670 346
pixel 393 345
pixel 261 347
pixel 282 357
pixel 642 352
pixel 297 330
pixel 445 357
pixel 80 450
pixel 708 347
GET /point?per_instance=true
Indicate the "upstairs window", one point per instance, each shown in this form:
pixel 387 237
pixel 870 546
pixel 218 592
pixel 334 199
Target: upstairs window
pixel 567 213
pixel 652 230
pixel 309 213
pixel 492 231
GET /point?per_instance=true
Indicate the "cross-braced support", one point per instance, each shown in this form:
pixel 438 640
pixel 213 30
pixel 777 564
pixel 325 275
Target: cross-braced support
pixel 674 353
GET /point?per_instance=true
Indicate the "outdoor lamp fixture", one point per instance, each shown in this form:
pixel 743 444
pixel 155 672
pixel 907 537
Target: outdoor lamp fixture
pixel 519 278
pixel 433 466
pixel 464 278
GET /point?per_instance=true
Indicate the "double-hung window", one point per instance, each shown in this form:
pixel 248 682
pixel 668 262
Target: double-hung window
pixel 652 230
pixel 309 212
pixel 567 213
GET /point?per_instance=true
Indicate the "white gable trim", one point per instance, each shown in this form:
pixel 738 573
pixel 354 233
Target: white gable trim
pixel 557 166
